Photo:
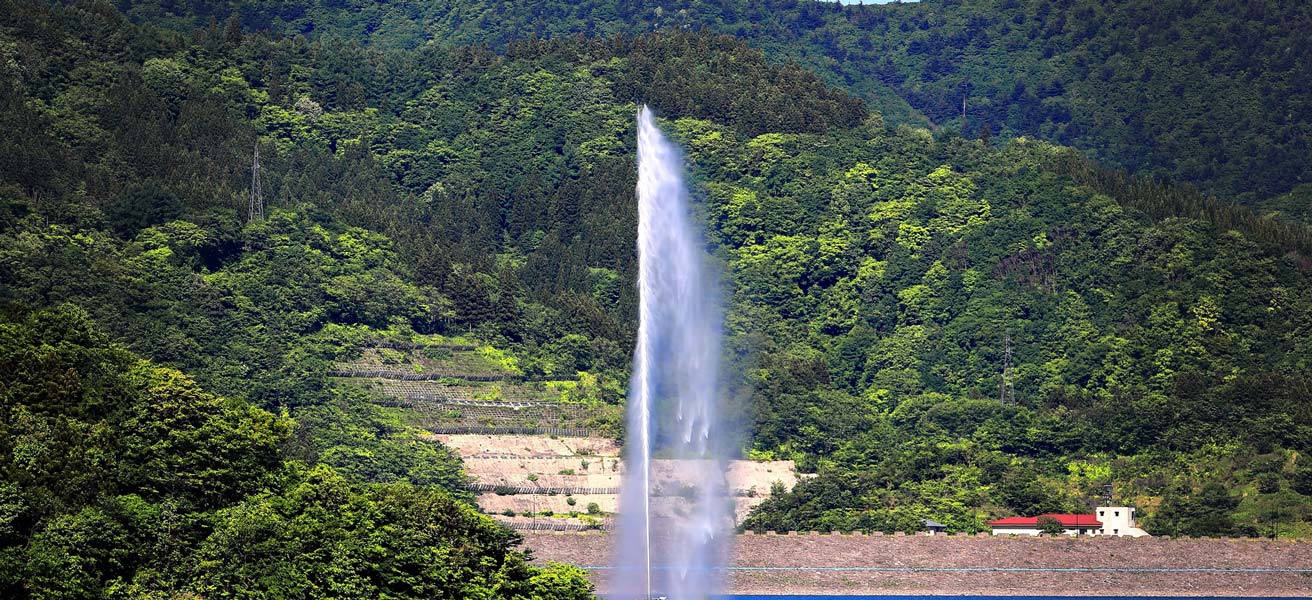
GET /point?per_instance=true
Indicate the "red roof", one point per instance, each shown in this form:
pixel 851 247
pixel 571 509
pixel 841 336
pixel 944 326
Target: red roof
pixel 1088 520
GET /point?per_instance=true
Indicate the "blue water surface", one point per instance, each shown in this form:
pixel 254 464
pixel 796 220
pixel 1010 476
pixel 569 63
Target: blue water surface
pixel 764 597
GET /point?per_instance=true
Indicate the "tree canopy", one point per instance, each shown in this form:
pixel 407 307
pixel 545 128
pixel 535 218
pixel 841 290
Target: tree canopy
pixel 935 326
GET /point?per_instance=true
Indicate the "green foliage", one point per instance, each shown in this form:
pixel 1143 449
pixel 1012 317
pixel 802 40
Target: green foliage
pixel 325 537
pixel 180 442
pixel 1205 513
pixel 559 582
pixel 103 454
pixel 876 276
pixel 1050 526
pixel 1213 94
pixel 1120 335
pixel 125 479
pixel 366 442
pixel 1164 201
pixel 94 552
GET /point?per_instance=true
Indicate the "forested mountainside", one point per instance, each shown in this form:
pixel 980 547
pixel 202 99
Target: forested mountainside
pixel 1216 93
pixel 123 479
pixel 879 278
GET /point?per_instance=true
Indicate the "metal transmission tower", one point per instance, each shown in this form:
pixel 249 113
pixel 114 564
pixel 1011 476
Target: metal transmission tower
pixel 256 208
pixel 1006 391
pixel 963 115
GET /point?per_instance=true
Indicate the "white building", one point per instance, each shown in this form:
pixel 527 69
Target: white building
pixel 1105 520
pixel 1118 520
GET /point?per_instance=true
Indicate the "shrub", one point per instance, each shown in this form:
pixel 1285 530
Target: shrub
pixel 1302 481
pixel 1050 526
pixel 436 353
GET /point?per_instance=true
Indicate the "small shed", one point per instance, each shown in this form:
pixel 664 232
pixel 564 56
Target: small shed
pixel 933 527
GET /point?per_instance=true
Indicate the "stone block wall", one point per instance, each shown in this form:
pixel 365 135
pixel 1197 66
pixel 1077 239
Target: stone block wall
pixel 811 563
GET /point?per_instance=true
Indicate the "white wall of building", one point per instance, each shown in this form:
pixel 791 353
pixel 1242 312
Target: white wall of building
pixel 1118 520
pixel 1004 530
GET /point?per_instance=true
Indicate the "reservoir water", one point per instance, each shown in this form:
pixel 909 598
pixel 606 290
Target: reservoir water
pixel 761 597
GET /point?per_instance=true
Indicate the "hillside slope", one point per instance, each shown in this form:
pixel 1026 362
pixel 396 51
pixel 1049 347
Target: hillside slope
pixel 122 478
pixel 877 275
pixel 1213 93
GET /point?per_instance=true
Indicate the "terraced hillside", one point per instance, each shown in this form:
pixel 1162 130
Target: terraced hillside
pixel 541 453
pixel 464 388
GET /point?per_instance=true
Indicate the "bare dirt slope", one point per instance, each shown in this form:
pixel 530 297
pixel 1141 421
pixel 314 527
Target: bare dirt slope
pixel 536 474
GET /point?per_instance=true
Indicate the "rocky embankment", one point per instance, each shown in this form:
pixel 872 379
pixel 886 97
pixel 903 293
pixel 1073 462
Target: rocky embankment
pixel 877 564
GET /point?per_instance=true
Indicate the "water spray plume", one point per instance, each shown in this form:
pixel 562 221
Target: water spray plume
pixel 674 520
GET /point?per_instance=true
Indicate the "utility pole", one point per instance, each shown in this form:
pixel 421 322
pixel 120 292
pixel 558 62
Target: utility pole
pixel 1006 391
pixel 256 209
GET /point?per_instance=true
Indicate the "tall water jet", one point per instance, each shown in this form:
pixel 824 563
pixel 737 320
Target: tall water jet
pixel 675 519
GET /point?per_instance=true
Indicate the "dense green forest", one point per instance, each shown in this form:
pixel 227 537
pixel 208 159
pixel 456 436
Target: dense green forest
pixel 1216 93
pixel 879 277
pixel 123 479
